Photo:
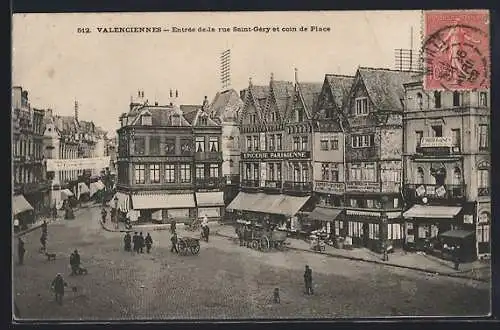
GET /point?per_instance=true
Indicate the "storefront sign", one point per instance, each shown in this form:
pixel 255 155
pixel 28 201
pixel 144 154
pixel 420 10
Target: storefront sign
pixel 77 164
pixel 329 187
pixel 420 191
pixel 276 155
pixel 440 191
pixel 436 142
pixel 363 186
pixel 363 213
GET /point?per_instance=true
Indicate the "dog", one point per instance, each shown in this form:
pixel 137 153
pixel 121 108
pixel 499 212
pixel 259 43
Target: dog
pixel 82 271
pixel 50 256
pixel 276 296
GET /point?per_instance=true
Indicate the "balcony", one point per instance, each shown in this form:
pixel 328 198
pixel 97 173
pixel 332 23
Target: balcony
pixel 250 183
pixel 297 186
pixel 449 192
pixel 209 183
pixel 208 156
pixel 484 192
pixel 273 185
pixel 329 187
pixel 363 186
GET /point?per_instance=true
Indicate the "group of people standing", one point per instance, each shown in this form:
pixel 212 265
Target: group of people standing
pixel 137 242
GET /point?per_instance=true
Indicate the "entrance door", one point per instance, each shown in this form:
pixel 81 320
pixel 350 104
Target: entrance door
pixel 366 235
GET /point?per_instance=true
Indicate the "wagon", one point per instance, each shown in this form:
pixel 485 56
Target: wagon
pixel 263 239
pixel 185 244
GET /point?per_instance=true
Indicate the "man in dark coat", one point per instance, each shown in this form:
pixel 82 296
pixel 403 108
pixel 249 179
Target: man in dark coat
pixel 58 285
pixel 456 257
pixel 141 243
pixel 149 241
pixel 20 250
pixel 173 239
pixel 43 241
pixel 44 227
pixel 74 261
pixel 308 280
pixel 127 240
pixel 173 226
pixel 135 242
pixel 104 213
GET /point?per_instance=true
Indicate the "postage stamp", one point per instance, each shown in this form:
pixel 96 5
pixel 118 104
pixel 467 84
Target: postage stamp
pixel 456 50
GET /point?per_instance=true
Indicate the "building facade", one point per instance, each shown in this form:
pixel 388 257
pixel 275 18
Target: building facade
pixel 29 181
pixel 373 157
pixel 447 166
pixel 158 163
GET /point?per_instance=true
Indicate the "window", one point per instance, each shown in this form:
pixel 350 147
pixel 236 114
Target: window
pixel 355 174
pixel 353 202
pixel 214 170
pixel 437 99
pixel 437 131
pixel 334 144
pixel 139 172
pixel 248 171
pixel 200 171
pixel 370 203
pixel 169 173
pixel 335 173
pixel 213 143
pixel 296 173
pixel 418 138
pixel 419 177
pixel 186 146
pixel 483 178
pixel 419 101
pixel 154 173
pixel 373 230
pixel 146 119
pixel 256 143
pixel 483 233
pixel 390 175
pixel 140 145
pixel 456 99
pixel 395 203
pixel 483 137
pixel 323 145
pixel 256 175
pixel 304 143
pixel 199 144
pixel 249 143
pixel 185 173
pixel 362 141
pixel 355 229
pixel 270 143
pixel 483 99
pixel 369 172
pixel 278 141
pixel 325 172
pixel 154 145
pixel 270 173
pixel 361 106
pixel 394 231
pixel 278 172
pixel 296 143
pixel 305 173
pixel 457 176
pixel 253 118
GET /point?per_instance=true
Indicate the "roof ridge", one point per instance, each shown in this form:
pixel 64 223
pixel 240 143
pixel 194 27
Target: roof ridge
pixel 338 75
pixel 388 69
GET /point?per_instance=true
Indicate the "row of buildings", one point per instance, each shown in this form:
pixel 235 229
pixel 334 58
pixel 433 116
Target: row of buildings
pixel 372 156
pixel 39 135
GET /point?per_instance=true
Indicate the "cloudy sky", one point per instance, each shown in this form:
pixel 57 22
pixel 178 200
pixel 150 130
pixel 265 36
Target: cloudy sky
pixel 102 71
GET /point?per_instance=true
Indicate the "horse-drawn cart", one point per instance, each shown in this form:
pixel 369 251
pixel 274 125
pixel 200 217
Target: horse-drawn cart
pixel 185 244
pixel 258 237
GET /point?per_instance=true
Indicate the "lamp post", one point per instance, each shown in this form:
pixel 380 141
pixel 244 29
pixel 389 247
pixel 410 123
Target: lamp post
pixel 384 231
pixel 114 212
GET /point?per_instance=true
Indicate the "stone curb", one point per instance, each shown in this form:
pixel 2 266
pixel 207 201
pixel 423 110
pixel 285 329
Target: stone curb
pixel 428 271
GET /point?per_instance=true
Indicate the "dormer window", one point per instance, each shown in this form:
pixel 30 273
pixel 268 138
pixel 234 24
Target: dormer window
pixel 203 120
pixel 361 106
pixel 146 119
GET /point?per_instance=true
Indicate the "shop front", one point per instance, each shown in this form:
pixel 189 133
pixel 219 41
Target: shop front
pixel 210 204
pixel 326 218
pixel 121 205
pixel 425 223
pixel 22 211
pixel 178 207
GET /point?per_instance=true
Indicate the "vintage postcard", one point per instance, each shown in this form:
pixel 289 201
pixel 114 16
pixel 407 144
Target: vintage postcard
pixel 257 165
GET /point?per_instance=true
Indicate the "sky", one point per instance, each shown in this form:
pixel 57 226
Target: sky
pixel 102 71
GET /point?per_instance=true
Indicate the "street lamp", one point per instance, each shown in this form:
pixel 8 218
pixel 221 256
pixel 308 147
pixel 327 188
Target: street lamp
pixel 384 222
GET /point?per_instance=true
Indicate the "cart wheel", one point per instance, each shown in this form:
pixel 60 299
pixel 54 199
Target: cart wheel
pixel 254 244
pixel 264 243
pixel 195 249
pixel 182 248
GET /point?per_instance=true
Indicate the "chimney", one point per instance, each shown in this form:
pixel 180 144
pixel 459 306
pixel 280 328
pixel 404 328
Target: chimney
pixel 76 110
pixel 272 76
pixel 249 81
pixel 156 103
pixel 296 75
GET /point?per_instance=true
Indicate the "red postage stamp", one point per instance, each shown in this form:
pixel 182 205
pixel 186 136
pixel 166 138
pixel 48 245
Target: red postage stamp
pixel 457 50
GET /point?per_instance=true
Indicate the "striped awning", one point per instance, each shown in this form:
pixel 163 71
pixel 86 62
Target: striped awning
pixel 246 202
pixel 213 198
pixel 162 201
pixel 121 201
pixel 20 204
pixel 363 213
pixel 325 214
pixel 427 211
pixel 286 205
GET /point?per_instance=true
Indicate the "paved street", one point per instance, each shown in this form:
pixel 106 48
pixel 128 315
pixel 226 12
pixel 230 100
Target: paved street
pixel 223 281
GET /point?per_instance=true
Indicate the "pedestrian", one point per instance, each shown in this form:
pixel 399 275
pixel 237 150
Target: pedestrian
pixel 104 213
pixel 141 243
pixel 58 285
pixel 206 232
pixel 44 227
pixel 20 250
pixel 308 280
pixel 149 242
pixel 456 257
pixel 173 226
pixel 127 240
pixel 135 242
pixel 74 261
pixel 43 241
pixel 174 243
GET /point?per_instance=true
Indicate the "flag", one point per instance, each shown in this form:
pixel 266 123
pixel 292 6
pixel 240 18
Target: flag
pixel 170 93
pixel 176 93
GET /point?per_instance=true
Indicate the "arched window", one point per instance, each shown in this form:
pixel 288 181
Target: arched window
pixel 457 176
pixel 420 101
pixel 419 178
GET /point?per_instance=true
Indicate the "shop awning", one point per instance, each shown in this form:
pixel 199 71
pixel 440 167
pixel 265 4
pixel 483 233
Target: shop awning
pixel 325 214
pixel 122 201
pixel 66 193
pixel 457 233
pixel 214 198
pixel 426 211
pixel 286 205
pixel 163 201
pixel 20 204
pixel 95 187
pixel 82 189
pixel 246 202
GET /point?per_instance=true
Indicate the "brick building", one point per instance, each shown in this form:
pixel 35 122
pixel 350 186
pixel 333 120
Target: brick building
pixel 447 167
pixel 29 183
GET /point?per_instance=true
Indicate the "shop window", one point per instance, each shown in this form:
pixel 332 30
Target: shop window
pixel 248 171
pixel 270 172
pixel 394 231
pixel 256 174
pixel 214 170
pixel 339 225
pixel 373 230
pixel 296 173
pixel 200 171
pixel 323 145
pixel 355 229
pixel 483 228
pixel 278 172
pixel 325 173
pixel 305 173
